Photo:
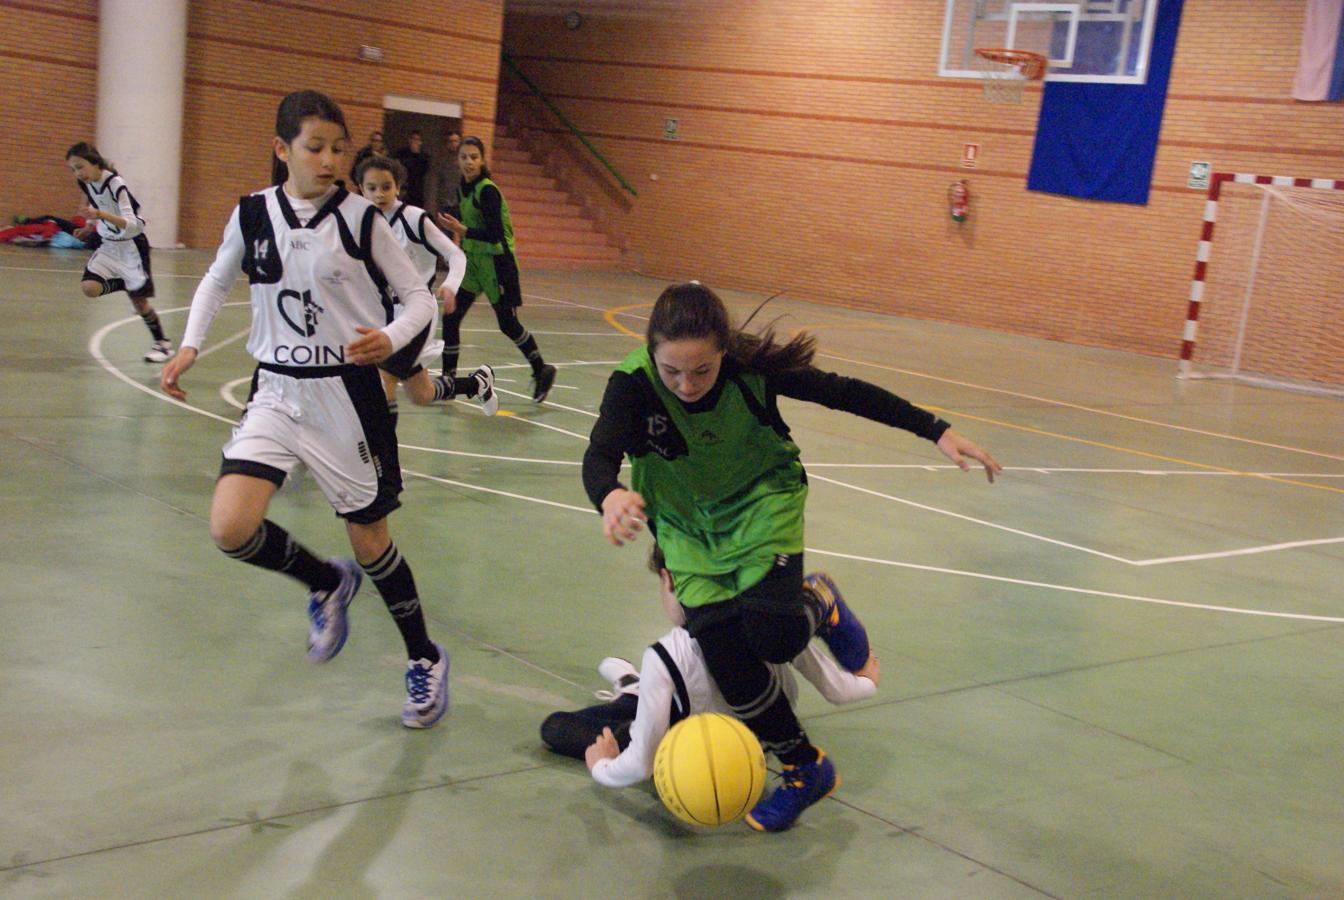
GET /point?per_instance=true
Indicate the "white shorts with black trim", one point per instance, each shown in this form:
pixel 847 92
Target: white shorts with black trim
pixel 334 419
pixel 120 259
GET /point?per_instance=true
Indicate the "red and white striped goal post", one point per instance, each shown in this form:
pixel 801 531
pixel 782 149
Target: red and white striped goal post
pixel 1216 182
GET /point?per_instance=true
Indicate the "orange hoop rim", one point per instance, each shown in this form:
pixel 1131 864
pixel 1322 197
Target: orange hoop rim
pixel 1031 65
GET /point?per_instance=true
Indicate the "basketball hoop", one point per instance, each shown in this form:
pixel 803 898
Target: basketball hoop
pixel 1006 72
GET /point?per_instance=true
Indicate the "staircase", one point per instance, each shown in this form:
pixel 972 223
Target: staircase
pixel 549 226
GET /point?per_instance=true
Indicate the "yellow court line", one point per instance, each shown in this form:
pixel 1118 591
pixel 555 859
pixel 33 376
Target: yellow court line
pixel 1131 450
pixel 610 317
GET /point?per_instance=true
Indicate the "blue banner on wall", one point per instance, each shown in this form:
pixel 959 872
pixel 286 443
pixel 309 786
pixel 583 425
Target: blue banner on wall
pixel 1098 141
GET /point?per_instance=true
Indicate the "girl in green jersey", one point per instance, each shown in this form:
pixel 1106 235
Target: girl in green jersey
pixel 717 478
pixel 486 231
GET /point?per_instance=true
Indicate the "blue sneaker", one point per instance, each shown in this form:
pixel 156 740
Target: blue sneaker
pixel 426 691
pixel 842 631
pixel 802 786
pixel 326 611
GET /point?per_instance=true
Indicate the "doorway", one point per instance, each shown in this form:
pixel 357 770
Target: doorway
pixel 434 120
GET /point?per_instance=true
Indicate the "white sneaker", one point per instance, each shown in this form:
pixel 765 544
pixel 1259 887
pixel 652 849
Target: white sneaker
pixel 622 674
pixel 426 691
pixel 326 612
pixel 485 390
pixel 159 352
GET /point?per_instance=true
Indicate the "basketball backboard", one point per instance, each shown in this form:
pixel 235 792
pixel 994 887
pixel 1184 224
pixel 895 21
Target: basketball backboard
pixel 1103 41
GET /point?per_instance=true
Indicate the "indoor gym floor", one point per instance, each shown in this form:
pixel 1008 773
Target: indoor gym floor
pixel 1116 672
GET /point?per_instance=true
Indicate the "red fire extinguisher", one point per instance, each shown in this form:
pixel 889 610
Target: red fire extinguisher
pixel 959 200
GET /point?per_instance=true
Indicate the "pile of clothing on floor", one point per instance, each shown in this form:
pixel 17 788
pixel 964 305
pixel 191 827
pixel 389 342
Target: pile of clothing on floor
pixel 48 231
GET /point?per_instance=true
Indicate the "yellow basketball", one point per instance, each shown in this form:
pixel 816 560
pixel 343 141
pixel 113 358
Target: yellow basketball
pixel 709 769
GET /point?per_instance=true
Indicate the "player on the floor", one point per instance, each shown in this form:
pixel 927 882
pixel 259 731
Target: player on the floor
pixel 319 261
pixel 379 179
pixel 486 231
pixel 718 479
pixel 618 739
pixel 121 262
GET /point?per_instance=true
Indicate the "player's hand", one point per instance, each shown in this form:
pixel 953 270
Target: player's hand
pixel 182 360
pixel 92 213
pixel 447 222
pixel 622 516
pixel 374 347
pixel 449 301
pixel 604 747
pixel 871 670
pixel 84 232
pixel 956 448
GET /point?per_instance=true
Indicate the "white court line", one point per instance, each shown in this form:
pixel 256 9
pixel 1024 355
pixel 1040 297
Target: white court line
pixel 220 345
pixel 1077 590
pixel 965 518
pixel 1219 554
pixel 1099 412
pixel 95 350
pixel 78 271
pixel 1246 551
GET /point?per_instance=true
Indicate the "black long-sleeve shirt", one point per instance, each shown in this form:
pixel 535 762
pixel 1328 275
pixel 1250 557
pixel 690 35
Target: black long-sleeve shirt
pixel 629 403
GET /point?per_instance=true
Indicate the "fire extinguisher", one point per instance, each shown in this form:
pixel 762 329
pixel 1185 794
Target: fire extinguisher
pixel 959 200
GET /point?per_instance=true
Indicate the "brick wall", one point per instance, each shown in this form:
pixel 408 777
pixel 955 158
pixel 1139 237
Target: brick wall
pixel 817 144
pixel 242 57
pixel 49 67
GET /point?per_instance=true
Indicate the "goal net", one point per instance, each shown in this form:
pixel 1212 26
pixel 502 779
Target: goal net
pixel 1270 286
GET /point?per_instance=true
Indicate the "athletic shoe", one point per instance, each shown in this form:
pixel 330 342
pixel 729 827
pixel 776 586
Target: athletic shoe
pixel 622 674
pixel 159 351
pixel 485 390
pixel 801 787
pixel 841 629
pixel 326 610
pixel 542 382
pixel 426 691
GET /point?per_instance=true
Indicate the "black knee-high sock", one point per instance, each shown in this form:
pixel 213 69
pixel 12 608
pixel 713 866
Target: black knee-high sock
pixel 151 319
pixel 392 576
pixel 506 315
pixel 392 411
pixel 452 343
pixel 271 547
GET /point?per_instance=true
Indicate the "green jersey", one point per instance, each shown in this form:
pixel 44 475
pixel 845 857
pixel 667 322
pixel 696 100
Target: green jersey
pixel 724 488
pixel 472 217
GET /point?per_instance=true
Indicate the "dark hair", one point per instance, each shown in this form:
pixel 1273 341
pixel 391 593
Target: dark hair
pixel 85 150
pixel 382 163
pixel 691 310
pixel 289 119
pixel 657 562
pixel 476 142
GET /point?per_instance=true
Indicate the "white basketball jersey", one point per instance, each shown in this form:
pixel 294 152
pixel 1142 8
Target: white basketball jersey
pixel 311 284
pixel 408 224
pixel 105 196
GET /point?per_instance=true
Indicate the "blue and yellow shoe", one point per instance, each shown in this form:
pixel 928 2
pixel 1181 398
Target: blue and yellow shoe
pixel 841 630
pixel 328 626
pixel 801 787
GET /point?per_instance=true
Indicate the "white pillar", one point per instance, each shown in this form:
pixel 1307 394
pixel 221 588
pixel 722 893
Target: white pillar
pixel 142 53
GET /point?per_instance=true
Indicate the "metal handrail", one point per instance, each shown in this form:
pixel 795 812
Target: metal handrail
pixel 508 61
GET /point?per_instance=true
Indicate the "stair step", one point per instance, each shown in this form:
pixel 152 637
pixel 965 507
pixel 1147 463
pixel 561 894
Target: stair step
pixel 528 194
pixel 572 265
pixel 516 181
pixel 511 168
pixel 532 237
pixel 504 142
pixel 565 250
pixel 511 155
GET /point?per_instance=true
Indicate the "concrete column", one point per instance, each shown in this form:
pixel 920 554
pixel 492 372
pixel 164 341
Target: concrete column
pixel 142 52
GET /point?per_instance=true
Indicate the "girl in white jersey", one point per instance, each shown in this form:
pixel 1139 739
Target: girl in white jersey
pixel 380 179
pixel 121 262
pixel 620 738
pixel 320 262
